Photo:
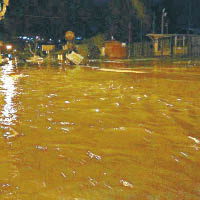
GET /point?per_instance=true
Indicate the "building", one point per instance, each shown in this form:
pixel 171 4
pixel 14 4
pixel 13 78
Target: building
pixel 115 50
pixel 175 44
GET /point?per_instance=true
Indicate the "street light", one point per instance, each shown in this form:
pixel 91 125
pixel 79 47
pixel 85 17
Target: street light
pixel 8 47
pixel 164 14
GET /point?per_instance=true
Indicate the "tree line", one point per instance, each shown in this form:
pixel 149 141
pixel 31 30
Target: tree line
pixel 124 20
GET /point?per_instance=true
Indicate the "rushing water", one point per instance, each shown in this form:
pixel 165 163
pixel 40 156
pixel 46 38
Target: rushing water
pixel 84 134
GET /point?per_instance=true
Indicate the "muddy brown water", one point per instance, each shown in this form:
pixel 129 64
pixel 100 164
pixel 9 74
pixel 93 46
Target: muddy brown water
pixel 83 134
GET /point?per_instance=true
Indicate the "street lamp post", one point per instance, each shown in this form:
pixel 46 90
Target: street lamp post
pixel 129 39
pixel 164 14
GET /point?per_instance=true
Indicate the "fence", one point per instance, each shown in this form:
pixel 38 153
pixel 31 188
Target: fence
pixel 191 48
pixel 142 49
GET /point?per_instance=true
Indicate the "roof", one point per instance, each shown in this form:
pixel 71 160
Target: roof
pixel 155 36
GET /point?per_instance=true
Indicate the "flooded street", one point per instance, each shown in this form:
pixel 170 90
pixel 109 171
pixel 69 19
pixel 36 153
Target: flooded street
pixel 88 134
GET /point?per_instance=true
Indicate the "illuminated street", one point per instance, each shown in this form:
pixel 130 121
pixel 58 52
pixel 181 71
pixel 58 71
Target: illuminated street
pixel 82 133
pixel 99 100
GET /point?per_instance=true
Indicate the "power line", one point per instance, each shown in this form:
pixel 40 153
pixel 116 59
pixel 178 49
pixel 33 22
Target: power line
pixel 42 16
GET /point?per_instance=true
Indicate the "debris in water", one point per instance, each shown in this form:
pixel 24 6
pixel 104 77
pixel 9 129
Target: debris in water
pixel 92 155
pixel 41 148
pixel 194 139
pixel 126 184
pixel 63 175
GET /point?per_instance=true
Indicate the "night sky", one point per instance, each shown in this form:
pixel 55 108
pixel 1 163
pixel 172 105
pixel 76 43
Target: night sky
pixel 51 18
pixel 100 1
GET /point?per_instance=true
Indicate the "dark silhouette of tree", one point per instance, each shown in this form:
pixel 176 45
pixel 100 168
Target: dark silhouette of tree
pixel 125 20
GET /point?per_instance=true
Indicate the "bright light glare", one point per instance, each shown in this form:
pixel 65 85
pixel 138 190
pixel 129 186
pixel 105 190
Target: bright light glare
pixel 8 47
pixel 8 113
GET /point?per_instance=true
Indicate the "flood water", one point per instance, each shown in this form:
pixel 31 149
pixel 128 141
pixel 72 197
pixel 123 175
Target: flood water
pixel 84 134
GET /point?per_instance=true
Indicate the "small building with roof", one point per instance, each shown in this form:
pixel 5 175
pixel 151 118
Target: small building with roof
pixel 175 44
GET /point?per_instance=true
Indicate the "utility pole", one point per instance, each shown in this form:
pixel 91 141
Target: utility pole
pixel 129 39
pixel 164 14
pixel 154 23
pixel 167 27
pixel 189 17
pixel 128 6
pixel 141 31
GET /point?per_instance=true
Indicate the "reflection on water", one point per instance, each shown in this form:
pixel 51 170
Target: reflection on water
pixel 8 89
pixel 89 134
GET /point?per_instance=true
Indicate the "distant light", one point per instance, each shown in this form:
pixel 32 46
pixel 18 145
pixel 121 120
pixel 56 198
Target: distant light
pixel 59 40
pixel 8 47
pixel 24 38
pixel 79 38
pixel 123 44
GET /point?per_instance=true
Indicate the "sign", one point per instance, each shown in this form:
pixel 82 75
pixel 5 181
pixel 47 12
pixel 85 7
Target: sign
pixel 48 47
pixel 75 58
pixel 69 35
